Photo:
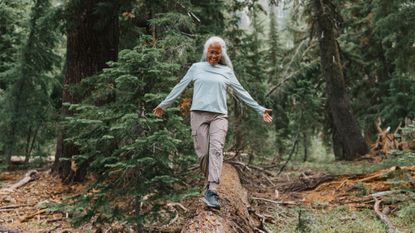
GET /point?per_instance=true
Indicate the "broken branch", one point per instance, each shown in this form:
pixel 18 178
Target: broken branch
pixel 275 202
pixel 383 217
pixel 29 176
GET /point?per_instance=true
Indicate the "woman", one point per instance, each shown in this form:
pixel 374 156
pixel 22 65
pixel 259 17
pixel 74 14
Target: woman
pixel 209 120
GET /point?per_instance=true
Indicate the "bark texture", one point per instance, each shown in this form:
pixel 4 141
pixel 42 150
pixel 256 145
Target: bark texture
pixel 92 40
pixel 348 142
pixel 233 216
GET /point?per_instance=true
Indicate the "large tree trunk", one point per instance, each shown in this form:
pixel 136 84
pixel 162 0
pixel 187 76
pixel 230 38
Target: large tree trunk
pixel 348 142
pixel 92 40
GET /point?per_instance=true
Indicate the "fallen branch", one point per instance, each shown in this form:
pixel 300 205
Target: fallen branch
pixel 29 176
pixel 14 206
pixel 383 217
pixel 262 227
pixel 380 176
pixel 251 167
pixel 30 216
pixel 55 220
pixel 275 202
pixel 384 193
pixel 54 228
pixel 302 184
pixel 172 204
pixel 240 163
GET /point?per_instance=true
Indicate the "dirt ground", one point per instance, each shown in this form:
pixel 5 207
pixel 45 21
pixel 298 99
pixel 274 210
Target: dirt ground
pixel 23 209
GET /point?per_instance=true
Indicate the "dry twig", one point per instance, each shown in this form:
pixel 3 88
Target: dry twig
pixel 14 206
pixel 27 217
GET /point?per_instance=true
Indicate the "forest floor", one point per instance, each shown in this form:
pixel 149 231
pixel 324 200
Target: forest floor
pixel 304 199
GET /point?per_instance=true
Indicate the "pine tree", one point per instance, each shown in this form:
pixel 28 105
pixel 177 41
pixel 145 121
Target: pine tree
pixel 133 154
pixel 394 29
pixel 274 65
pixel 348 142
pixel 379 75
pixel 211 16
pixel 126 144
pixel 275 51
pixel 27 106
pixel 248 55
pixel 12 31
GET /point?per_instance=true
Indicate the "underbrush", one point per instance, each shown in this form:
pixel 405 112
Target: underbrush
pixel 340 219
pixel 396 158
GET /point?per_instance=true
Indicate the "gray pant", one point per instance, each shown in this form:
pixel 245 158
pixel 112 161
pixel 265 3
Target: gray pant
pixel 209 132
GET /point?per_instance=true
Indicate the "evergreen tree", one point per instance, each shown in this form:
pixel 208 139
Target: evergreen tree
pixel 348 142
pixel 132 154
pixel 274 65
pixel 12 30
pixel 297 92
pixel 247 52
pixel 394 28
pixel 379 79
pixel 210 15
pixel 274 52
pixel 27 107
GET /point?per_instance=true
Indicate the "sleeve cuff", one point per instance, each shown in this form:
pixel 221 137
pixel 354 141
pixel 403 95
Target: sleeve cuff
pixel 261 110
pixel 163 106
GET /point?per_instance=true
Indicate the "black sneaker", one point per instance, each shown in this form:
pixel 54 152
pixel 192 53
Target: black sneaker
pixel 211 199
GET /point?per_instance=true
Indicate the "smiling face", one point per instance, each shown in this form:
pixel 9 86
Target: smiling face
pixel 214 53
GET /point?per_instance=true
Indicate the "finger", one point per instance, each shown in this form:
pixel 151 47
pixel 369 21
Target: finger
pixel 267 119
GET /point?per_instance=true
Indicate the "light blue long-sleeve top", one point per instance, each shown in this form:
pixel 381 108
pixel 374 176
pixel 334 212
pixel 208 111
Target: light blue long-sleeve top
pixel 210 85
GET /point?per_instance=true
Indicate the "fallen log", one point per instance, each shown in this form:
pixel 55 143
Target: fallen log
pixel 29 176
pixel 233 217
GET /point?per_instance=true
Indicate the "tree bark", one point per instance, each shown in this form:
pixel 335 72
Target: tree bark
pixel 347 139
pixel 92 40
pixel 233 216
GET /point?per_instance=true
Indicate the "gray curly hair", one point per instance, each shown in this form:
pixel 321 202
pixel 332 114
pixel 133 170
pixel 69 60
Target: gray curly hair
pixel 224 60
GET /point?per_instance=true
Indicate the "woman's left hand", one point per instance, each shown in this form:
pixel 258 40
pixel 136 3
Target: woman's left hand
pixel 266 117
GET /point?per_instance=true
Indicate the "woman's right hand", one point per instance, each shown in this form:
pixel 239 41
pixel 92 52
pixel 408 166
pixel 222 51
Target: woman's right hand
pixel 158 111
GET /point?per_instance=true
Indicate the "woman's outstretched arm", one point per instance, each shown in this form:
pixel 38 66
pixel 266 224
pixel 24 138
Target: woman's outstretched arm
pixel 174 93
pixel 248 100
